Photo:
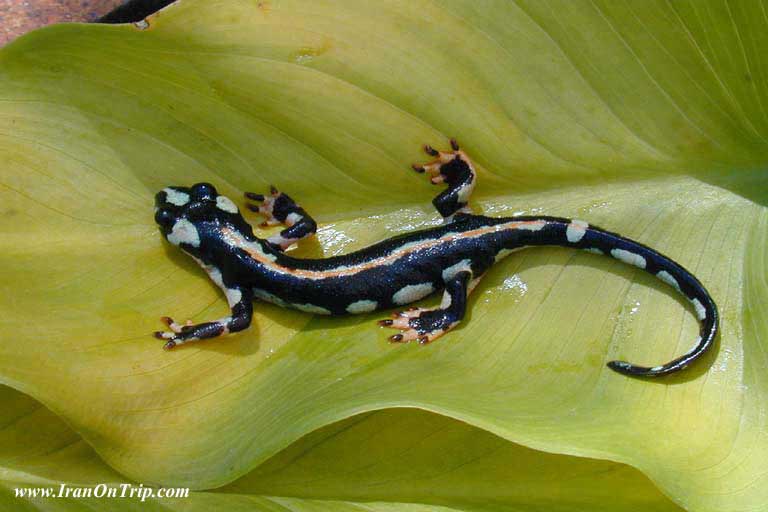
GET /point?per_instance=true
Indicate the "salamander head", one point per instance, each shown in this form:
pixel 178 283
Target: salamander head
pixel 194 217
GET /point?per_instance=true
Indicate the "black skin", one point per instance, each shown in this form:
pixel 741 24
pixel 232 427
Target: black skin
pixel 391 273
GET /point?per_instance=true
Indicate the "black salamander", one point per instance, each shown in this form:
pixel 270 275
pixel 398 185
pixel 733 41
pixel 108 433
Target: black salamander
pixel 392 273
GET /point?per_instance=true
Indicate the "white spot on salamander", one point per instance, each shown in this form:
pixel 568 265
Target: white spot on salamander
pixel 628 257
pixel 215 275
pixel 284 243
pixel 594 250
pixel 293 218
pixel 184 232
pixel 224 203
pixel 233 294
pixel 701 311
pixel 362 306
pixel 224 322
pixel 576 230
pixel 176 197
pixel 455 269
pixel 412 293
pixel 667 278
pixel 311 308
pixel 534 225
pixel 465 191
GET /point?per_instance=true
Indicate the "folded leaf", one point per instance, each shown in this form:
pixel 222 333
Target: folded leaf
pixel 389 460
pixel 649 121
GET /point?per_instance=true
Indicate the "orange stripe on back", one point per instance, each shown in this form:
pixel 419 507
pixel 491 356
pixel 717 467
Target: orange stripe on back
pixel 256 252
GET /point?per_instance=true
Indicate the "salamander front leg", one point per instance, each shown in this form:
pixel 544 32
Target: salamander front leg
pixel 279 208
pixel 242 310
pixel 426 325
pixel 456 170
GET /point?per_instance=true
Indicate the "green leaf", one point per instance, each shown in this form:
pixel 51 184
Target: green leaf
pixel 397 459
pixel 646 119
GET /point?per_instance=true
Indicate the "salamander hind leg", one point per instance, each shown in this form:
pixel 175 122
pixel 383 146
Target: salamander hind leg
pixel 455 169
pixel 278 208
pixel 426 325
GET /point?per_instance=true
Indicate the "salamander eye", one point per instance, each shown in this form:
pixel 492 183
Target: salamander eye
pixel 202 191
pixel 164 217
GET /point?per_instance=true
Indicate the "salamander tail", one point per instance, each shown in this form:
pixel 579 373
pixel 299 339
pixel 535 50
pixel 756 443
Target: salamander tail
pixel 709 328
pixel 581 235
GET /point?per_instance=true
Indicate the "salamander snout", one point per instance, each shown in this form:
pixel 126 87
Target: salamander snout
pixel 165 218
pixel 181 196
pixel 199 205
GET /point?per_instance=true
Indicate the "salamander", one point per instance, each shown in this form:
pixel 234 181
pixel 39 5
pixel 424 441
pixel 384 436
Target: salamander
pixel 393 273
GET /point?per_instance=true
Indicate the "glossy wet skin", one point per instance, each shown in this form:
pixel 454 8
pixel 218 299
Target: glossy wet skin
pixel 194 217
pixel 394 272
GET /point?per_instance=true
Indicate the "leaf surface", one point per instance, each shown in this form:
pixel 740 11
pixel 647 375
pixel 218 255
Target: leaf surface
pixel 356 464
pixel 646 120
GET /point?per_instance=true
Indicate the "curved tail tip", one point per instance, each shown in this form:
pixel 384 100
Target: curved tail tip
pixel 626 368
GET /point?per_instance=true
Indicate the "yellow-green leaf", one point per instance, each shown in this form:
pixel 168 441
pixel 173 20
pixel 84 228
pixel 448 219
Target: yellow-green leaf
pixel 645 118
pixel 398 459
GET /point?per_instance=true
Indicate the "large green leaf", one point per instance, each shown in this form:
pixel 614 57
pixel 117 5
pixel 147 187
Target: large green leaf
pixel 645 118
pixel 397 459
